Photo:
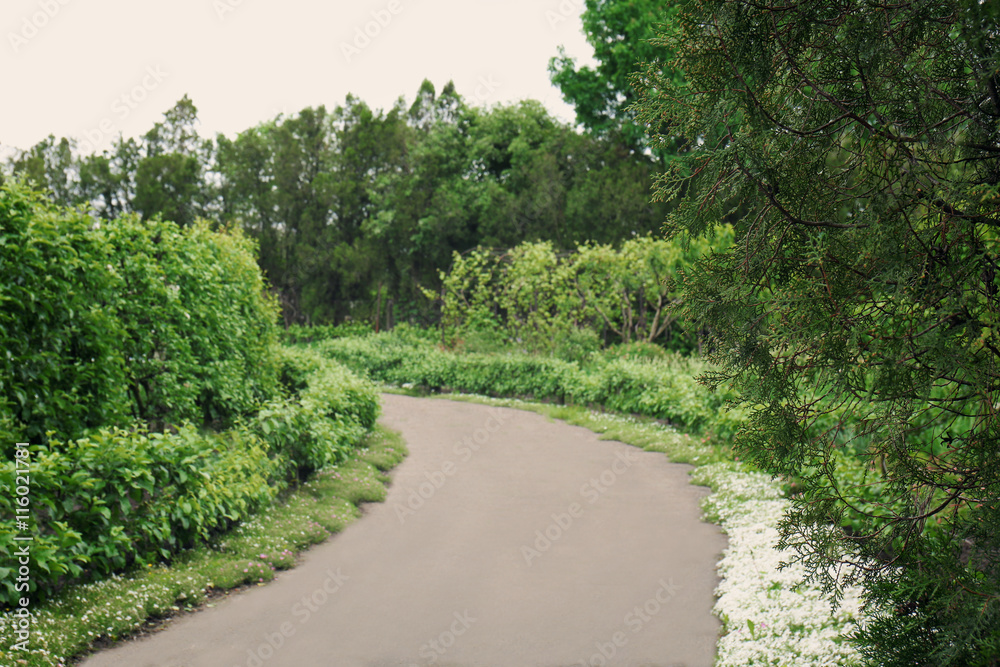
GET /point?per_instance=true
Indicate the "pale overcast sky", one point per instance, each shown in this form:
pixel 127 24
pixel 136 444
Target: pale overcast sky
pixel 94 68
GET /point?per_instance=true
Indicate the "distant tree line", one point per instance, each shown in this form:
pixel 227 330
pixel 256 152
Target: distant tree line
pixel 356 210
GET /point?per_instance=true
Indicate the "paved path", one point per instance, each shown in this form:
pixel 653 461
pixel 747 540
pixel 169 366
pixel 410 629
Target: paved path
pixel 507 540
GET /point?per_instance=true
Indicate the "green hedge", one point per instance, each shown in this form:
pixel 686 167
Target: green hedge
pixel 125 346
pixel 116 498
pixel 330 412
pixel 61 367
pixel 200 333
pixel 105 323
pixel 664 388
pixel 104 502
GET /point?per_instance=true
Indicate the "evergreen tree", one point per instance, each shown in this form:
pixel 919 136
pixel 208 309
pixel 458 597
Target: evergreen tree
pixel 858 310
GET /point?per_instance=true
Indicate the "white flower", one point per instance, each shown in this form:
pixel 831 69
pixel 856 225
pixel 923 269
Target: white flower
pixel 791 623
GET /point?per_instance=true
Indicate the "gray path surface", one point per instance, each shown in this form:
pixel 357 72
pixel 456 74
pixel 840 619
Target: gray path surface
pixel 507 540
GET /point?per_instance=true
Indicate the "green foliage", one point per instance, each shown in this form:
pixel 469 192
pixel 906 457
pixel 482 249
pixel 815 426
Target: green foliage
pixel 61 368
pixel 355 209
pixel 638 350
pixel 537 300
pixel 525 296
pixel 620 32
pixel 856 145
pixel 297 333
pixel 635 290
pixel 330 410
pixel 118 498
pixel 577 345
pixel 199 331
pixel 168 185
pixel 663 388
pixel 103 323
pixel 85 616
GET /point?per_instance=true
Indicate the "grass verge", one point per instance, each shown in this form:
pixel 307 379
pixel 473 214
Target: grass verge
pixel 88 617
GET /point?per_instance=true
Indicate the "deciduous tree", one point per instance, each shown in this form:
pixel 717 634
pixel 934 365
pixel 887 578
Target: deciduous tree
pixel 620 32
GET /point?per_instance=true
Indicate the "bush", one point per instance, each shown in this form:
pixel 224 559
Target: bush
pixel 533 298
pixel 297 334
pixel 664 388
pixel 318 426
pixel 102 324
pixel 199 332
pixel 116 497
pixel 634 351
pixel 61 366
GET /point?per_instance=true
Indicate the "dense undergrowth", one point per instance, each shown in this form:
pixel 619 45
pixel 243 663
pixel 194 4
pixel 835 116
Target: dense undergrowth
pixel 632 379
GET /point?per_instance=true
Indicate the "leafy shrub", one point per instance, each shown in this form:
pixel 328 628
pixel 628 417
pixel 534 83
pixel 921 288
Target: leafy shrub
pixel 636 350
pixel 200 333
pixel 331 410
pixel 297 333
pixel 61 368
pixel 664 388
pixel 102 324
pixel 481 338
pixel 577 345
pixel 534 299
pixel 117 497
pixel 114 498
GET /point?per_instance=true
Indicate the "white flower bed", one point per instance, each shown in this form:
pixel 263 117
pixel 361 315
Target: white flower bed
pixel 769 619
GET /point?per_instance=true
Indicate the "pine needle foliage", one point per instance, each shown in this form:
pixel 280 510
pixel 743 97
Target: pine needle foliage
pixel 855 147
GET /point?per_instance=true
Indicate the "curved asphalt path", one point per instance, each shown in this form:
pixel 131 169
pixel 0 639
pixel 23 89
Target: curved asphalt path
pixel 507 540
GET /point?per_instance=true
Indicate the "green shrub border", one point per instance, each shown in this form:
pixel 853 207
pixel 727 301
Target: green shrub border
pixel 663 388
pixel 120 498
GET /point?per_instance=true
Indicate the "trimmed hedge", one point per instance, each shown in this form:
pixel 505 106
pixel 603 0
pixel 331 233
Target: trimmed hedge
pixel 117 498
pixel 122 344
pixel 200 334
pixel 332 410
pixel 664 388
pixel 61 368
pixel 106 323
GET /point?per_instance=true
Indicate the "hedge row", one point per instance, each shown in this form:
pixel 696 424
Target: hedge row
pixel 663 388
pixel 107 323
pixel 117 498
